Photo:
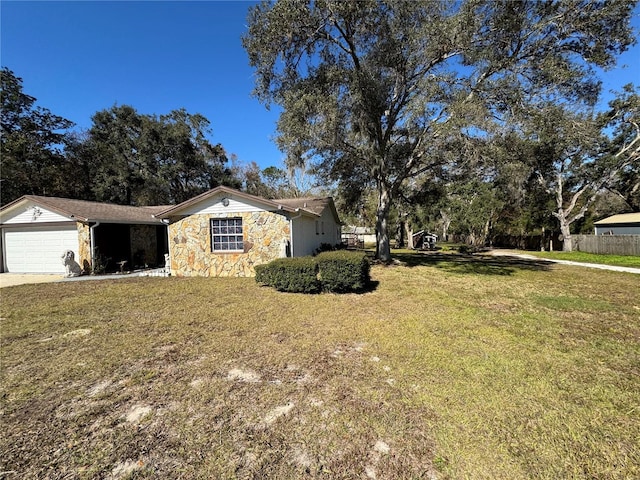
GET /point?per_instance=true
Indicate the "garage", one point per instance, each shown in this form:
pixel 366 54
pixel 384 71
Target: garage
pixel 37 230
pixel 38 250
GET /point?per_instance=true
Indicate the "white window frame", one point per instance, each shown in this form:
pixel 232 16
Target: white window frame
pixel 227 232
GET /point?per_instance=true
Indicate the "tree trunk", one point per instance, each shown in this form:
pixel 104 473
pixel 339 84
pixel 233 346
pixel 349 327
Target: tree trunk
pixel 567 244
pixel 400 230
pixel 409 233
pixel 383 248
pixel 446 222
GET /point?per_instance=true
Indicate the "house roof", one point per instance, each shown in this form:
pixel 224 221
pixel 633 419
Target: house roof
pixel 620 218
pixel 311 206
pixel 358 230
pixel 85 211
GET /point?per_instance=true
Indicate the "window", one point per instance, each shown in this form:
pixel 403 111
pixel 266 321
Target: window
pixel 226 234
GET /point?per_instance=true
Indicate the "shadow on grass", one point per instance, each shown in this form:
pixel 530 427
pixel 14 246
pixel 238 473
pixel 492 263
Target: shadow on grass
pixel 472 264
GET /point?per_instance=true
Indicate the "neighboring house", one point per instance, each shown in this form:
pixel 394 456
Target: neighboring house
pixel 424 240
pixel 622 224
pixel 37 230
pixel 358 236
pixel 226 233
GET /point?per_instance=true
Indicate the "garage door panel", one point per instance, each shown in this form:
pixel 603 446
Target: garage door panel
pixel 38 250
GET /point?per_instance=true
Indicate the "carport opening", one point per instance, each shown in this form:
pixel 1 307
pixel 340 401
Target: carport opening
pixel 139 246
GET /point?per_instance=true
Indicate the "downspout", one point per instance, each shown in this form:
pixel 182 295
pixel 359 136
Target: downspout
pixel 92 242
pixel 167 263
pixel 291 219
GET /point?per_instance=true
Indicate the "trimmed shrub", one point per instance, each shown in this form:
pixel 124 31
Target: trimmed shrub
pixel 328 247
pixel 298 274
pixel 343 271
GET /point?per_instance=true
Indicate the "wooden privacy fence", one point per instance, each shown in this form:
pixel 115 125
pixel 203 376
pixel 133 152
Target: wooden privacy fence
pixel 607 244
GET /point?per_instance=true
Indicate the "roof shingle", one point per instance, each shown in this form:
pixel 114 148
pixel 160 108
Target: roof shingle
pixel 86 211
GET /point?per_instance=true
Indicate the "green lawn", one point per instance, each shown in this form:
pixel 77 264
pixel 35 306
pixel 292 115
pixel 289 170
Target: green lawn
pixel 450 367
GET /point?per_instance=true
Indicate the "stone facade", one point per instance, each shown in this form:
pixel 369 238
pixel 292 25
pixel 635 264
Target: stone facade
pixel 190 244
pixel 84 243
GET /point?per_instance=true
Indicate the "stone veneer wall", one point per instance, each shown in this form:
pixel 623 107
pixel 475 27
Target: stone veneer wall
pixel 144 242
pixel 190 245
pixel 84 244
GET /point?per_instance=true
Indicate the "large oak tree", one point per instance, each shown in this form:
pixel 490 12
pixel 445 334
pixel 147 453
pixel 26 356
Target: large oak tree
pixel 374 92
pixel 579 154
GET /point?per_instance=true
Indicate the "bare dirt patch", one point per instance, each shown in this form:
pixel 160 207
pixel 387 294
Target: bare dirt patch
pixel 239 375
pixel 137 413
pixel 81 332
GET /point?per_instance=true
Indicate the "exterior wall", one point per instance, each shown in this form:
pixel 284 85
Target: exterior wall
pixel 84 247
pixel 144 244
pixel 332 230
pixel 310 232
pixel 214 205
pixel 305 240
pixel 31 213
pixel 190 244
pixel 617 229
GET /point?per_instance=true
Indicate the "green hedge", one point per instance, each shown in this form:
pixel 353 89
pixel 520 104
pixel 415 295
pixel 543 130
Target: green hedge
pixel 290 275
pixel 338 271
pixel 343 271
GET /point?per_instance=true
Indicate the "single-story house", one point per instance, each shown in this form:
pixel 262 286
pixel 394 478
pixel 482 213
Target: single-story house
pixel 225 232
pixel 622 224
pixel 37 230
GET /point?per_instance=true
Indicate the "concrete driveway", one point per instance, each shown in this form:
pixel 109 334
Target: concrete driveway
pixel 11 279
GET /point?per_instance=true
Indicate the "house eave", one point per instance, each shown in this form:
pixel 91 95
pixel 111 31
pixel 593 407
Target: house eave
pixel 175 210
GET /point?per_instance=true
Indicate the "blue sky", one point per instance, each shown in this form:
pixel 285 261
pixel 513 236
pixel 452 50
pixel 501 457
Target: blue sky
pixel 80 57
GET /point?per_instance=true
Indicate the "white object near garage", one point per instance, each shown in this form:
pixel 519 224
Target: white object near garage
pixel 34 239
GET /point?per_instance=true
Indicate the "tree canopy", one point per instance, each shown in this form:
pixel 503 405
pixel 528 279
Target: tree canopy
pixel 125 157
pixel 377 92
pixel 31 143
pixel 139 159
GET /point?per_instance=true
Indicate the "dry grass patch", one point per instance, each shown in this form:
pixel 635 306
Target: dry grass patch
pixel 446 370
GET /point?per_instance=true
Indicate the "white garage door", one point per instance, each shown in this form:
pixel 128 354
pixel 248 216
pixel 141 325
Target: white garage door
pixel 38 249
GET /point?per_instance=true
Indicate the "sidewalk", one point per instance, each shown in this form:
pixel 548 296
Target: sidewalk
pixel 510 253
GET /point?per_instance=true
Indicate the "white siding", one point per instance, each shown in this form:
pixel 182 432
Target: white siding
pixel 31 213
pixel 305 238
pixel 214 205
pixel 38 249
pixel 331 234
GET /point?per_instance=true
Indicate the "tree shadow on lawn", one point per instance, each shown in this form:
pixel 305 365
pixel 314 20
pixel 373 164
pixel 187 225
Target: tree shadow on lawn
pixel 472 264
